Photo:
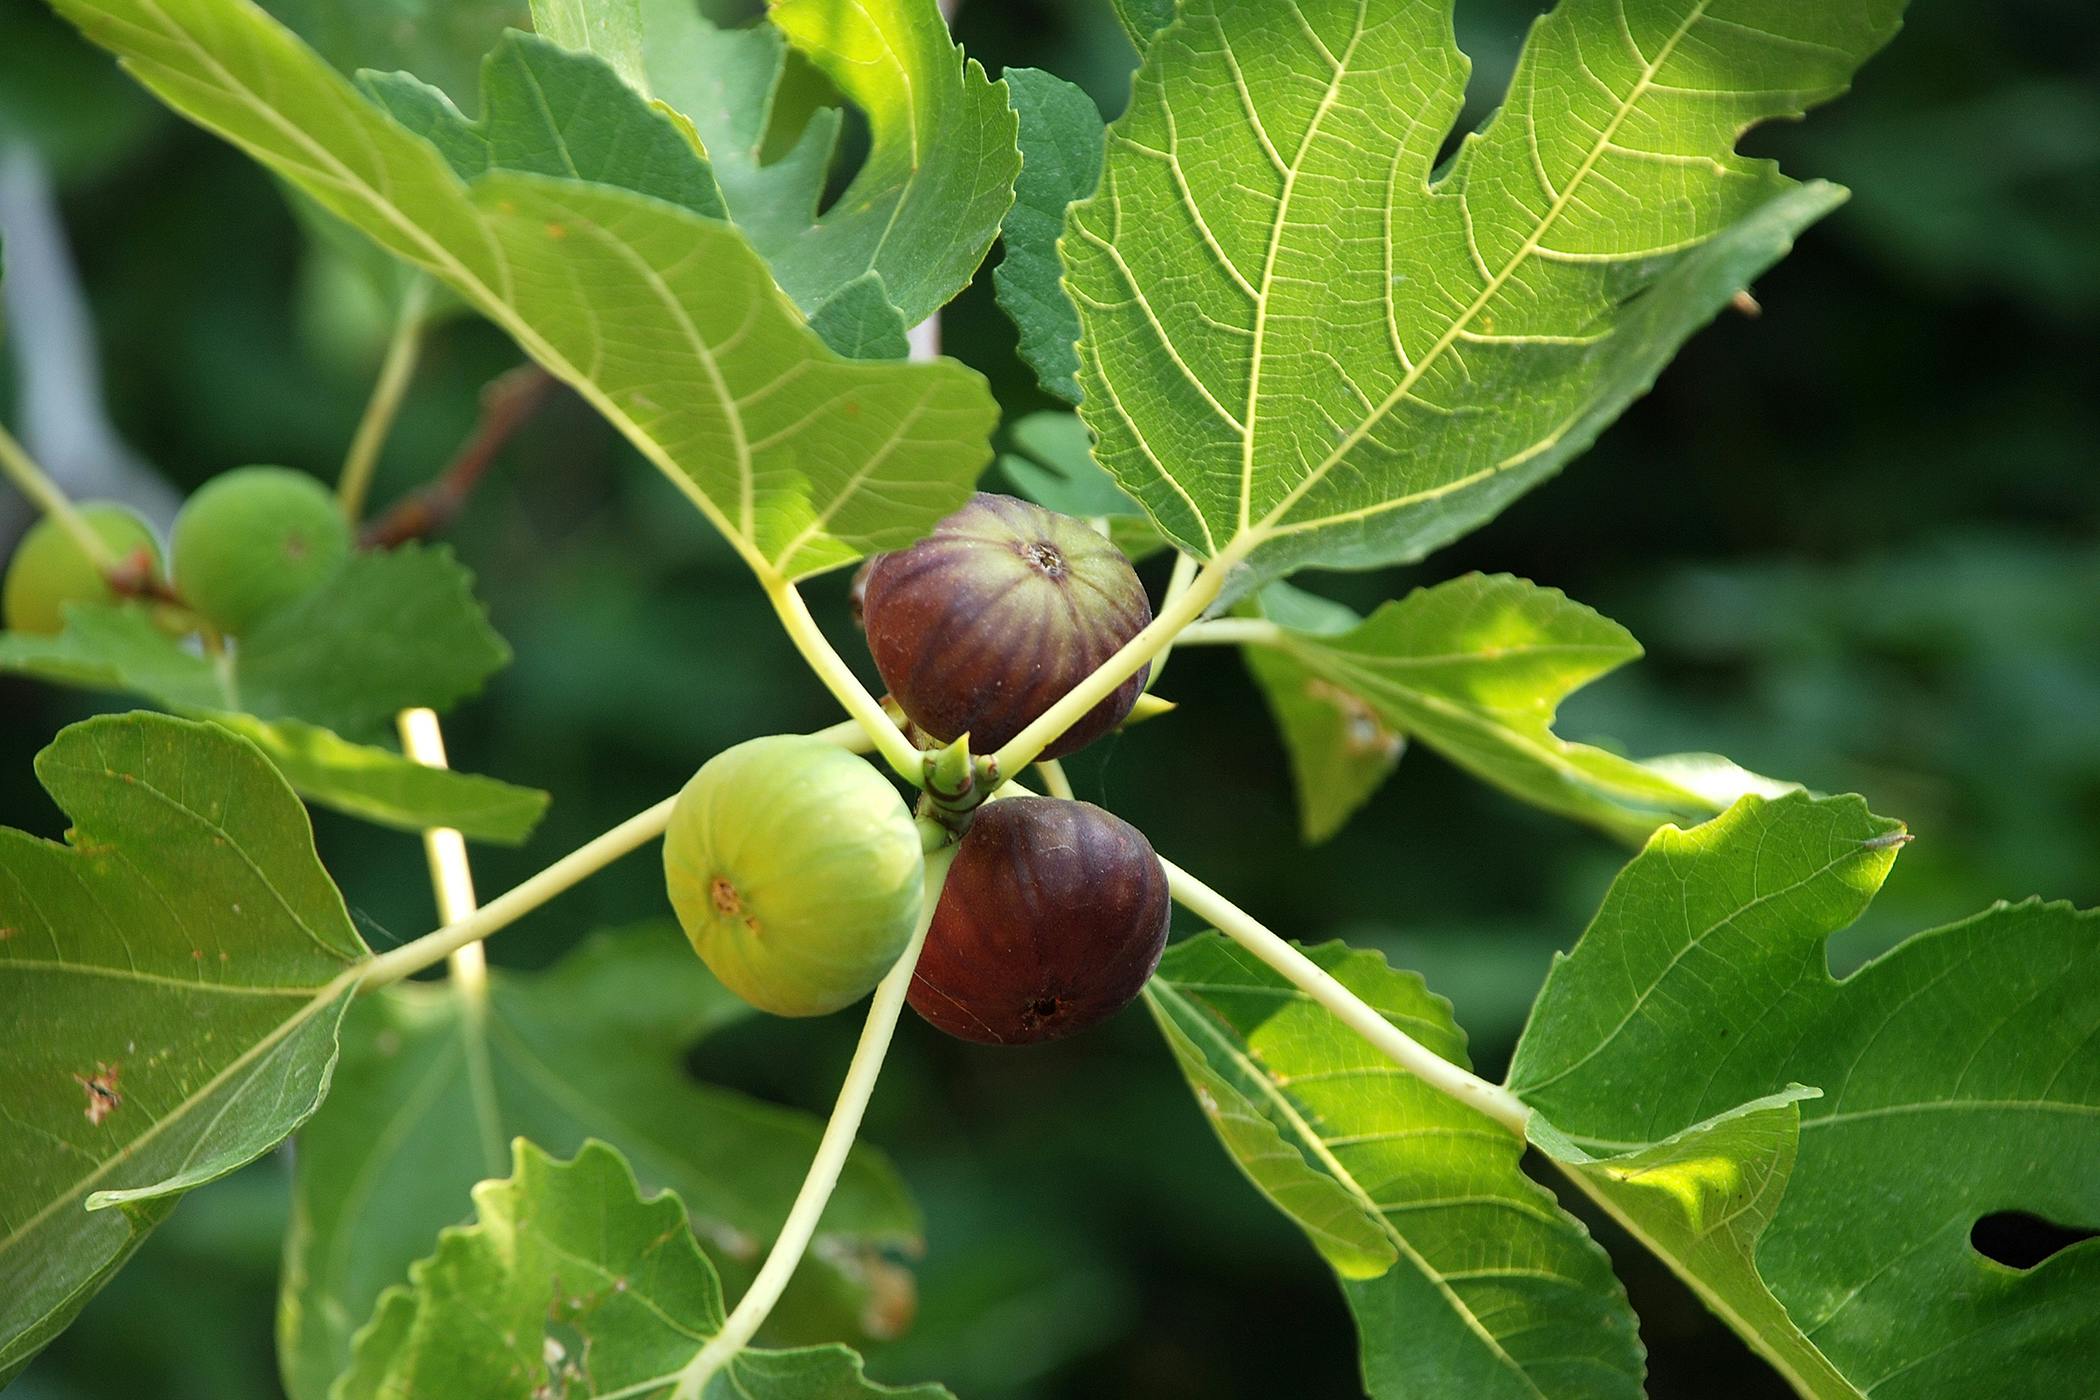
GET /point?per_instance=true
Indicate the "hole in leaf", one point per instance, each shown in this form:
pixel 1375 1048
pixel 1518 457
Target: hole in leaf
pixel 2020 1241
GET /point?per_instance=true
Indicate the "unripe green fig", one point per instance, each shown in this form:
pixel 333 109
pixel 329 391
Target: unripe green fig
pixel 796 871
pixel 1053 916
pixel 254 539
pixel 50 569
pixel 987 622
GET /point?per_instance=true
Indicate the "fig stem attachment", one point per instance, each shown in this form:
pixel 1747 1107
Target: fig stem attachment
pixel 404 347
pixel 1175 613
pixel 809 639
pixel 467 969
pixel 1316 982
pixel 957 784
pixel 757 1303
pixel 45 494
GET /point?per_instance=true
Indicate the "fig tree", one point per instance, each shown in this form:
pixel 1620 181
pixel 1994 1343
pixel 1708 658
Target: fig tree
pixel 796 871
pixel 1053 916
pixel 50 569
pixel 254 539
pixel 987 622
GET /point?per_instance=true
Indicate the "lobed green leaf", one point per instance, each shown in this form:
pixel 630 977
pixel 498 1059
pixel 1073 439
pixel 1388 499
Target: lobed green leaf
pixel 571 1279
pixel 431 1088
pixel 1958 1079
pixel 1464 1276
pixel 665 321
pixel 1475 669
pixel 922 210
pixel 1061 135
pixel 1303 344
pixel 172 977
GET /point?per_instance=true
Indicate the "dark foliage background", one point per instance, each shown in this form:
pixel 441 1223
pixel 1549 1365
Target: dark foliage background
pixel 1857 534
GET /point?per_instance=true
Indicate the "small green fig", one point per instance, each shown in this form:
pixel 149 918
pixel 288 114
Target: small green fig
pixel 1053 916
pixel 796 871
pixel 50 569
pixel 254 539
pixel 988 621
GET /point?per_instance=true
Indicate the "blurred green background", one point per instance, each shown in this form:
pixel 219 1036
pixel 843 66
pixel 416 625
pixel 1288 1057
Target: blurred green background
pixel 1857 534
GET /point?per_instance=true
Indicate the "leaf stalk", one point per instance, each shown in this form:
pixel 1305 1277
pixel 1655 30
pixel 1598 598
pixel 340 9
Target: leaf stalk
pixel 757 1303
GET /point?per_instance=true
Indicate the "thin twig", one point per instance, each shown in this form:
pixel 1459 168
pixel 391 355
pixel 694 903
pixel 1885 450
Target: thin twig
pixel 403 349
pixel 507 404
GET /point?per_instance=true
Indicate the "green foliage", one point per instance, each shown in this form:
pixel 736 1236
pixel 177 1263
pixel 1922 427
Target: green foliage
pixel 1051 466
pixel 1300 348
pixel 1465 1278
pixel 432 1086
pixel 1956 1073
pixel 1061 150
pixel 611 29
pixel 664 321
pixel 185 961
pixel 379 785
pixel 385 632
pixel 548 111
pixel 939 177
pixel 442 40
pixel 568 1276
pixel 1305 327
pixel 1473 668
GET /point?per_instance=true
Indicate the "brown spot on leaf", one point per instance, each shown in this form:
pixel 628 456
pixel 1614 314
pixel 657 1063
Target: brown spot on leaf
pixel 1364 734
pixel 101 1089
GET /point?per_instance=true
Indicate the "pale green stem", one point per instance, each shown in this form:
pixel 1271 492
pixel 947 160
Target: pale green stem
pixel 1309 977
pixel 1054 780
pixel 452 882
pixel 1185 566
pixel 757 1303
pixel 809 639
pixel 1174 615
pixel 395 370
pixel 571 870
pixel 507 908
pixel 1233 631
pixel 44 493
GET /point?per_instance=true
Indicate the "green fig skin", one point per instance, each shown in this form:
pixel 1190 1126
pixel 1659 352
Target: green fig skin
pixel 796 871
pixel 50 569
pixel 253 540
pixel 987 622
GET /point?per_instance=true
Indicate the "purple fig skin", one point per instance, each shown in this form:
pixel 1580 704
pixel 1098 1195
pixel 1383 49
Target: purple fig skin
pixel 987 622
pixel 1053 917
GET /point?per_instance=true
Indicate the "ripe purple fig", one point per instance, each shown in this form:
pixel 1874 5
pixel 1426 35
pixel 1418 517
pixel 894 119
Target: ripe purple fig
pixel 1053 916
pixel 988 621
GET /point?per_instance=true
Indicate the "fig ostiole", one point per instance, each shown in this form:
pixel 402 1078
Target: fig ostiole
pixel 50 570
pixel 253 540
pixel 987 622
pixel 1053 916
pixel 796 871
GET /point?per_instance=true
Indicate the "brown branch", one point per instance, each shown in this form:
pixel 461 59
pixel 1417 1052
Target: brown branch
pixel 507 404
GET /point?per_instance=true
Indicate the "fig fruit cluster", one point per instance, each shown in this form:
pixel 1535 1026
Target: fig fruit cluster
pixel 246 545
pixel 795 868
